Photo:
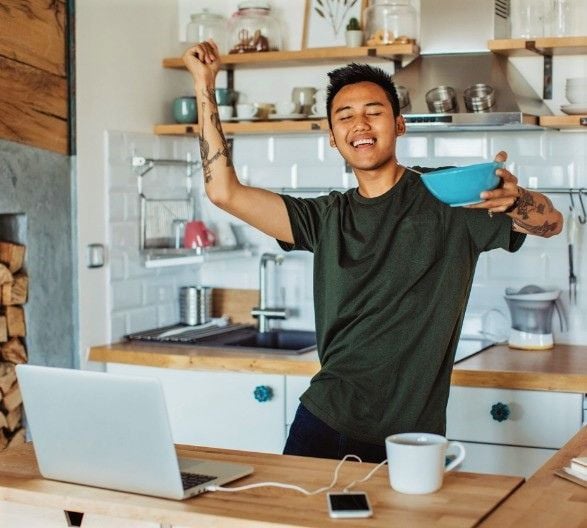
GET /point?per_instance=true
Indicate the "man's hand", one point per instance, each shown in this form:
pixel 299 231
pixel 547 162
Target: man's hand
pixel 203 61
pixel 503 197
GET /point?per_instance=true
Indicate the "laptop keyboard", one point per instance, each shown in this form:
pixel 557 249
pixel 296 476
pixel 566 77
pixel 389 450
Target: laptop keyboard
pixel 189 480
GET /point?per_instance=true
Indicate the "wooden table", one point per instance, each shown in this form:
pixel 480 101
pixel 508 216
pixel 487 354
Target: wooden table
pixel 464 500
pixel 545 500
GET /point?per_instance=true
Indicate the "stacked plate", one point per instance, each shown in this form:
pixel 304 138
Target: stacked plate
pixel 576 93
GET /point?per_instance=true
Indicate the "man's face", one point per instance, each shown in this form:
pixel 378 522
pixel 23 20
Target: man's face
pixel 364 129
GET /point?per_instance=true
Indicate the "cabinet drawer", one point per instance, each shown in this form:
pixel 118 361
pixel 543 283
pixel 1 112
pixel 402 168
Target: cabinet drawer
pixel 219 409
pixel 504 460
pixel 536 418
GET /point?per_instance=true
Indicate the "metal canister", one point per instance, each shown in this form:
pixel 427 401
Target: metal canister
pixel 195 305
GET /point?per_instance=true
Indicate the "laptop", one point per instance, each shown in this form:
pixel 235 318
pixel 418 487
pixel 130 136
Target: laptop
pixel 111 431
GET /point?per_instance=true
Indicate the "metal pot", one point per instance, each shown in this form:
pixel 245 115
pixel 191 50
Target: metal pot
pixel 479 97
pixel 403 96
pixel 195 305
pixel 441 99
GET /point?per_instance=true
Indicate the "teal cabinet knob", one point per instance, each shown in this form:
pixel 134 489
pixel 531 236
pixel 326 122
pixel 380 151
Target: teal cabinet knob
pixel 500 412
pixel 263 393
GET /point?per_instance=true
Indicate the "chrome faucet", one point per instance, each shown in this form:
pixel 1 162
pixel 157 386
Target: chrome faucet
pixel 263 312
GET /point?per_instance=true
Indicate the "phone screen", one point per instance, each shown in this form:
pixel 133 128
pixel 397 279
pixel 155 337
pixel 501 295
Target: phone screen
pixel 354 502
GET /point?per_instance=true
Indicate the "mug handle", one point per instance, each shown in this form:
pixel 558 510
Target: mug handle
pixel 460 457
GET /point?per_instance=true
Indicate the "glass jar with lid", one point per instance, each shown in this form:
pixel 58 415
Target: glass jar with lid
pixel 390 22
pixel 254 28
pixel 207 25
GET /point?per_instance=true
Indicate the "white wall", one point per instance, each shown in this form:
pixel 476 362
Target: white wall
pixel 121 87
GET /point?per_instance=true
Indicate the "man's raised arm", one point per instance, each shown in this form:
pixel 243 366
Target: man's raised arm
pixel 260 208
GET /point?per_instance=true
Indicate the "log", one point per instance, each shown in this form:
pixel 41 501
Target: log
pixel 14 418
pixel 3 440
pixel 18 438
pixel 15 292
pixel 15 321
pixel 7 377
pixel 12 255
pixel 3 330
pixel 13 351
pixel 5 275
pixel 13 398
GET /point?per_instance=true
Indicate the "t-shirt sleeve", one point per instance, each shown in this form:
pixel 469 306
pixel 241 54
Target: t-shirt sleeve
pixel 493 232
pixel 306 218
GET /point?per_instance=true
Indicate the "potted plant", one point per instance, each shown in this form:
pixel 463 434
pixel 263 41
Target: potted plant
pixel 354 34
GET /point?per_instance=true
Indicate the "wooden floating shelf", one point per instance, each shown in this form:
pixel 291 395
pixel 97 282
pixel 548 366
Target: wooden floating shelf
pixel 565 122
pixel 317 55
pixel 249 127
pixel 544 45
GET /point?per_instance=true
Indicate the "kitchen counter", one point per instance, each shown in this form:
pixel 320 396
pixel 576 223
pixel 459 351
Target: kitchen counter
pixel 463 501
pixel 546 500
pixel 563 368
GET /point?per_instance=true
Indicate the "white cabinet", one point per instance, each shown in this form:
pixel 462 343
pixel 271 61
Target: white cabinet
pixel 220 409
pixel 511 431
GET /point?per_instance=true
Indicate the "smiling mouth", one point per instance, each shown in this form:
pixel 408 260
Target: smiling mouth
pixel 363 143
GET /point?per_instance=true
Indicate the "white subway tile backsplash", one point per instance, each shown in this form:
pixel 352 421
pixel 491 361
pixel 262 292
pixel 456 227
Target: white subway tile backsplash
pixel 526 264
pixel 127 294
pixel 117 267
pixel 517 144
pixel 124 234
pixel 250 150
pixel 167 314
pixel 461 145
pixel 297 149
pixel 546 175
pixel 412 147
pixel 118 326
pixel 158 293
pixel 142 319
pixel 116 207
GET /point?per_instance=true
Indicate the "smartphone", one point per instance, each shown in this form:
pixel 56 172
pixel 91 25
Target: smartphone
pixel 350 505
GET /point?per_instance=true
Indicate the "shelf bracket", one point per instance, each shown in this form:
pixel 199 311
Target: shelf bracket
pixel 230 78
pixel 547 67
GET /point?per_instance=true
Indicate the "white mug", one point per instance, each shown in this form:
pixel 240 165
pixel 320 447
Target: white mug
pixel 285 107
pixel 245 110
pixel 319 109
pixel 225 112
pixel 416 461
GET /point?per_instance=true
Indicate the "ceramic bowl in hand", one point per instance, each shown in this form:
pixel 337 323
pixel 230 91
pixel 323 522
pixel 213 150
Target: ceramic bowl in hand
pixel 462 185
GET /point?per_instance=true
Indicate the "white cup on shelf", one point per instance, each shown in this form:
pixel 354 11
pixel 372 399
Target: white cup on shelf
pixel 225 112
pixel 285 107
pixel 245 110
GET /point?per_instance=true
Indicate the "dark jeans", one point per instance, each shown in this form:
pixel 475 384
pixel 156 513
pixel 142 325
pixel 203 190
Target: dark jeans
pixel 310 436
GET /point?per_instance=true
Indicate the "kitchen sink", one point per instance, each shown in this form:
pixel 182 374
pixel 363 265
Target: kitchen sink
pixel 274 341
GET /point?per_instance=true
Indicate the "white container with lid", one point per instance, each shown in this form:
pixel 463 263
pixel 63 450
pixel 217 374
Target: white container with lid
pixel 390 22
pixel 207 25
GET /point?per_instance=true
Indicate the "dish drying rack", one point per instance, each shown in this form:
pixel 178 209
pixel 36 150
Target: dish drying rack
pixel 156 216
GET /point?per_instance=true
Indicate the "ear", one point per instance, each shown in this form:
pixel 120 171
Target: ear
pixel 400 126
pixel 331 139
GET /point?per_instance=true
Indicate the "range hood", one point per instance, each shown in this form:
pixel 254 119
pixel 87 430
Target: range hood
pixel 454 35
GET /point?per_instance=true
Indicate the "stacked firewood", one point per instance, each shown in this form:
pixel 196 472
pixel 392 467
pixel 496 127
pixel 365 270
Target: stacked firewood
pixel 13 295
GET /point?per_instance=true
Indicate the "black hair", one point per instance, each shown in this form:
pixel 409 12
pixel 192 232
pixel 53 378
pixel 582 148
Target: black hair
pixel 356 73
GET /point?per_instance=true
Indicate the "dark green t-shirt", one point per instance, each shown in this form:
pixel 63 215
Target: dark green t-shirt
pixel 392 277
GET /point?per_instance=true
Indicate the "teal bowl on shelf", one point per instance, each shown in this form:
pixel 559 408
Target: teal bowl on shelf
pixel 462 185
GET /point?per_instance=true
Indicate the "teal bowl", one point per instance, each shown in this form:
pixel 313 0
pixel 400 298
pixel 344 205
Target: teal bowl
pixel 462 185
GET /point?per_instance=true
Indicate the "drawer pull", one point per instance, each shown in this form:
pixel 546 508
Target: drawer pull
pixel 263 393
pixel 500 412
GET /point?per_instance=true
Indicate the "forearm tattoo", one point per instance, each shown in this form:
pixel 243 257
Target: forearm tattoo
pixel 527 213
pixel 208 97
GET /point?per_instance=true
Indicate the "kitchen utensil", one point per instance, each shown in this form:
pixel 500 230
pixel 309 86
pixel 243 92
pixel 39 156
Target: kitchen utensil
pixel 572 226
pixel 462 185
pixel 531 310
pixel 441 99
pixel 479 97
pixel 195 305
pixel 197 235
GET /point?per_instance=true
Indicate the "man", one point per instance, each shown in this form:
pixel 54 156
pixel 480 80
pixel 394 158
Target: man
pixel 393 266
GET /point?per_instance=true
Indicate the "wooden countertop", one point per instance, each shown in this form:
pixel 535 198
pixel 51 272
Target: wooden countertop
pixel 545 500
pixel 464 499
pixel 564 368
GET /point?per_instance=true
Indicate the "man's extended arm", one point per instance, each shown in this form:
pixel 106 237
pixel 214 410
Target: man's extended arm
pixel 531 212
pixel 260 208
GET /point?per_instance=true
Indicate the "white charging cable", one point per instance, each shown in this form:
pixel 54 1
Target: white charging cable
pixel 300 488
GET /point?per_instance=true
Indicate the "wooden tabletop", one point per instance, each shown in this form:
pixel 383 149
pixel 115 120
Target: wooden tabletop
pixel 563 368
pixel 545 500
pixel 463 501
